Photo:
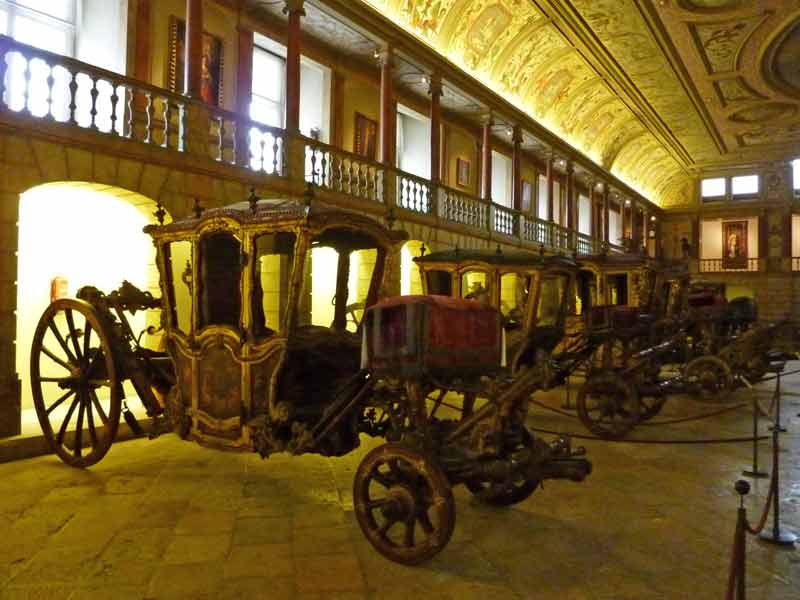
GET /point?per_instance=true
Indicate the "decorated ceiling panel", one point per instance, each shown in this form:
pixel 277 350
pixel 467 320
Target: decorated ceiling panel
pixel 653 90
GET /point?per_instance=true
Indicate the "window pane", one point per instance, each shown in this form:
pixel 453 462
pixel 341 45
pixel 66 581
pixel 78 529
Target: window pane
pixel 3 21
pixel 796 173
pixel 745 185
pixel 266 111
pixel 362 267
pixel 551 296
pixel 513 295
pixel 179 263
pixel 274 253
pixel 220 299
pixel 712 188
pixel 268 75
pixel 41 35
pixel 61 9
pixel 440 283
pixel 542 201
pixel 474 286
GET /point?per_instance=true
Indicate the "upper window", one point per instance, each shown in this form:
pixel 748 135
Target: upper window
pixel 269 95
pixel 46 24
pixel 713 188
pixel 745 185
pixel 796 174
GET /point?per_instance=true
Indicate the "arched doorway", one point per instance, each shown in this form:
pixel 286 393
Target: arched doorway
pixel 73 234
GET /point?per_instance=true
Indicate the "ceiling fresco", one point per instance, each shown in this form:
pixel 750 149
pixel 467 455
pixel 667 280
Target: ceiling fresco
pixel 652 90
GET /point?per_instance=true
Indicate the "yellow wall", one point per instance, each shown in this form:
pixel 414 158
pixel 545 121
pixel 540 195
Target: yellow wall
pixel 410 280
pixel 363 97
pixel 460 144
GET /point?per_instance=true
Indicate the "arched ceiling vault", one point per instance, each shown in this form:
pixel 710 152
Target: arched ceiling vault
pixel 624 81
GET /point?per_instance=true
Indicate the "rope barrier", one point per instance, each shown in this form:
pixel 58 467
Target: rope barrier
pixel 773 377
pixel 738 440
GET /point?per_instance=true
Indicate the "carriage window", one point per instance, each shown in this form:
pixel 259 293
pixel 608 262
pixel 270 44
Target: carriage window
pixel 551 297
pixel 179 280
pixel 586 294
pixel 474 286
pixel 220 269
pixel 439 283
pixel 618 290
pixel 272 267
pixel 513 295
pixel 322 275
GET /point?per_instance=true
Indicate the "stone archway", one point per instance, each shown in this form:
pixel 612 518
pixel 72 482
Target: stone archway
pixel 410 282
pixel 82 233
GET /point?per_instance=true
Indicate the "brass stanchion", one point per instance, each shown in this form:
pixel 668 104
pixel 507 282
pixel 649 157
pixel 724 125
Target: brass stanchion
pixel 777 426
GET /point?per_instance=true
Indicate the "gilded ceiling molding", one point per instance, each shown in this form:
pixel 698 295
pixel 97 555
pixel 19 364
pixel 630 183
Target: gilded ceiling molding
pixel 781 56
pixel 720 43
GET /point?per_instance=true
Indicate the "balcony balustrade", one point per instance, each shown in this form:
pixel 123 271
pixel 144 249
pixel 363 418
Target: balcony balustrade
pixel 721 265
pixel 54 88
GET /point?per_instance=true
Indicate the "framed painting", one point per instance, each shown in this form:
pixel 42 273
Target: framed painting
pixel 527 195
pixel 734 245
pixel 462 172
pixel 211 67
pixel 366 137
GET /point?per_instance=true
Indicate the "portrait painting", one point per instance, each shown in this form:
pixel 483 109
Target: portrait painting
pixel 211 66
pixel 462 172
pixel 734 245
pixel 366 137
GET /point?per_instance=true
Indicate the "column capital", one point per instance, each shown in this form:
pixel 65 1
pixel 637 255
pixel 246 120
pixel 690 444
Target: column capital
pixel 487 119
pixel 385 56
pixel 516 134
pixel 435 85
pixel 294 7
pixel 570 167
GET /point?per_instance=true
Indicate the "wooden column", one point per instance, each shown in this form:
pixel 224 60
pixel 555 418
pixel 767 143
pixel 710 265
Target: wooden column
pixel 572 221
pixel 388 120
pixel 435 91
pixel 337 109
pixel 143 56
pixel 695 241
pixel 295 11
pixel 635 229
pixel 516 169
pixel 606 209
pixel 244 72
pixel 193 59
pixel 551 160
pixel 486 158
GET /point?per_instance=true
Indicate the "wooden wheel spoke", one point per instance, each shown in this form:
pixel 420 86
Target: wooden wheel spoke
pixel 383 478
pixel 408 537
pixel 385 527
pixel 65 423
pixel 87 337
pixel 58 402
pixel 73 332
pixel 377 503
pixel 425 521
pixel 76 450
pixel 96 402
pixel 60 338
pixel 55 379
pixel 55 358
pixel 90 421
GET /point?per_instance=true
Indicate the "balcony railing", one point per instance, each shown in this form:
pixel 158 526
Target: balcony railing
pixel 58 89
pixel 796 263
pixel 723 265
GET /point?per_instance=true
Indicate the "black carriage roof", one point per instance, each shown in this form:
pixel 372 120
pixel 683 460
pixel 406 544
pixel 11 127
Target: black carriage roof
pixel 618 260
pixel 517 258
pixel 272 210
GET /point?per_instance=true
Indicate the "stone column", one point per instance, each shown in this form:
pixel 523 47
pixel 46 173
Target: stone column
pixel 551 159
pixel 435 91
pixel 486 158
pixel 516 168
pixel 294 9
pixel 244 92
pixel 388 124
pixel 606 208
pixel 572 222
pixel 193 58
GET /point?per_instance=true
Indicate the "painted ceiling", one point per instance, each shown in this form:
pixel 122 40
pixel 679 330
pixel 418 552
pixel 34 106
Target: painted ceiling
pixel 655 91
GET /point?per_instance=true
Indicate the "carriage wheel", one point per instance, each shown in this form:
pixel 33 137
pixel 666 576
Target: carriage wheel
pixel 709 378
pixel 608 406
pixel 506 494
pixel 71 360
pixel 651 405
pixel 403 503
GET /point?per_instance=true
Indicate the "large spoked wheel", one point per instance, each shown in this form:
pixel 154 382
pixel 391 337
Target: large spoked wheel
pixel 506 493
pixel 709 379
pixel 403 503
pixel 74 382
pixel 608 406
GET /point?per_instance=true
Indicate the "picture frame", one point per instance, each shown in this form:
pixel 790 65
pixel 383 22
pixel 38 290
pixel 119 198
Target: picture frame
pixel 365 142
pixel 527 196
pixel 734 245
pixel 211 88
pixel 462 172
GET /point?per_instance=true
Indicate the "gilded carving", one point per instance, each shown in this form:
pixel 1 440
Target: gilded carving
pixel 783 58
pixel 735 90
pixel 770 135
pixel 719 43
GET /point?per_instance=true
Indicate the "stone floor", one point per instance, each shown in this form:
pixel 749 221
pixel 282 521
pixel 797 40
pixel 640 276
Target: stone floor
pixel 169 519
